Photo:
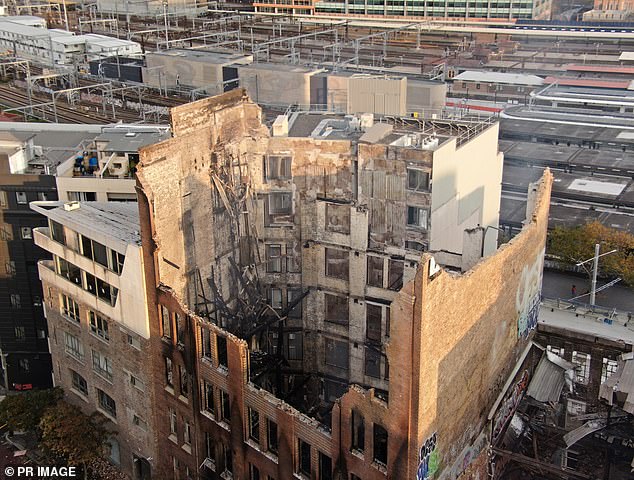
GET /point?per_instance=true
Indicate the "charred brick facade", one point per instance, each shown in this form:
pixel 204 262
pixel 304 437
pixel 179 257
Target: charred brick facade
pixel 238 260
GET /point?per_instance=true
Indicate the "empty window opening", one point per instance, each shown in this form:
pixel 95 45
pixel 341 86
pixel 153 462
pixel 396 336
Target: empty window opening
pixel 375 271
pixel 304 458
pixel 380 444
pixel 337 264
pixel 337 309
pixel 358 431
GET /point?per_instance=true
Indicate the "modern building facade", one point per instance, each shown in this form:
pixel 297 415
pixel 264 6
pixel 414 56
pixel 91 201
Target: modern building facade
pixel 471 9
pixel 26 362
pixel 98 322
pixel 286 274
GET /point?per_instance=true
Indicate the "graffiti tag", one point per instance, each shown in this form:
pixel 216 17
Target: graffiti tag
pixel 508 407
pixel 429 459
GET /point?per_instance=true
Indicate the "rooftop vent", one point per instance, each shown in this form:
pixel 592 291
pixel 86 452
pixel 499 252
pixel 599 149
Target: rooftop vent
pixel 70 206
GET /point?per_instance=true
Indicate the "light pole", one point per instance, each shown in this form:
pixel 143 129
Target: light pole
pixel 167 47
pixel 595 269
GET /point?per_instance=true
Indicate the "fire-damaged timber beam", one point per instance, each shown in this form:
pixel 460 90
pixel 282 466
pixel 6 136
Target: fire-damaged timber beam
pixel 535 464
pixel 282 316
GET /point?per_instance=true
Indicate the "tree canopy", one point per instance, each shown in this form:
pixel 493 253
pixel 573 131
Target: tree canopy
pixel 24 411
pixel 70 434
pixel 574 244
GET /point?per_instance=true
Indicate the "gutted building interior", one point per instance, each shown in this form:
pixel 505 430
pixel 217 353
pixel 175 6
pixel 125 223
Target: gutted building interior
pixel 285 264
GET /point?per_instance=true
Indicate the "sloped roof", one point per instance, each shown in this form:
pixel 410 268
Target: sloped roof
pixel 499 77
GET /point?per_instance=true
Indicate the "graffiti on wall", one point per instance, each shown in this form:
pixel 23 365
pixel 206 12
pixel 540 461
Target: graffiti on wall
pixel 429 459
pixel 528 296
pixel 468 455
pixel 508 407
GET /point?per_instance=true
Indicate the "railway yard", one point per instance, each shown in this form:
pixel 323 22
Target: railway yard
pixel 420 50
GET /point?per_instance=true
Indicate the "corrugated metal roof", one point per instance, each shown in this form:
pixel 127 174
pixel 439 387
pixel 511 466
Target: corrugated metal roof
pixel 588 82
pixel 498 77
pixel 549 378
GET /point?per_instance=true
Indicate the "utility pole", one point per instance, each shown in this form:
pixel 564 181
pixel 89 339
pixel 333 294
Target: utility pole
pixel 595 270
pixel 65 15
pixel 166 27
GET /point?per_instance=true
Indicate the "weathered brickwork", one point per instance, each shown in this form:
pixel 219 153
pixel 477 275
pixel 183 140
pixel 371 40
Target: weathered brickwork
pixel 445 341
pixel 130 385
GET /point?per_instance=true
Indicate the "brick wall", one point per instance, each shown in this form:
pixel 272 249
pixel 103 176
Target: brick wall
pixel 452 340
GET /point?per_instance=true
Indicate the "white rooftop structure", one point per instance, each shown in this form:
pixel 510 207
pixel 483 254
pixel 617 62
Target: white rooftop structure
pixel 615 327
pixel 29 20
pixel 54 46
pixel 498 77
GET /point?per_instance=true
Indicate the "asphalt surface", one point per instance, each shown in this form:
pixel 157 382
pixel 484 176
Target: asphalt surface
pixel 559 285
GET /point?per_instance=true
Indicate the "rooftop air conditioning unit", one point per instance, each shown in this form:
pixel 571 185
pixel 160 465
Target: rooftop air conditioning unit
pixel 70 206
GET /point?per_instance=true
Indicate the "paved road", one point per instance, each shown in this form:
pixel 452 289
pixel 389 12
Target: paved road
pixel 559 285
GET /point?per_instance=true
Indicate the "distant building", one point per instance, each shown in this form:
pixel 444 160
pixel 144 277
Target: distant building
pixel 539 9
pixel 151 7
pixel 104 170
pixel 346 90
pixel 610 10
pixel 31 40
pixel 26 362
pixel 494 85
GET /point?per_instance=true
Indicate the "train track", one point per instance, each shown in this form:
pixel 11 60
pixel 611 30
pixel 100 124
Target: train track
pixel 14 98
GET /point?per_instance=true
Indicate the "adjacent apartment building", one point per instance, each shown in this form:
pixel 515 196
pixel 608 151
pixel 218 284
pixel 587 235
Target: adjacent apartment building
pixel 40 162
pixel 97 316
pixel 26 362
pixel 300 322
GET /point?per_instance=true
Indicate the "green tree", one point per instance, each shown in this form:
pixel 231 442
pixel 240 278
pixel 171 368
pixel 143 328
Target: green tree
pixel 572 245
pixel 77 438
pixel 24 411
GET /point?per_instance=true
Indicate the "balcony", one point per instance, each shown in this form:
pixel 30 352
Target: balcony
pixel 48 275
pixel 41 237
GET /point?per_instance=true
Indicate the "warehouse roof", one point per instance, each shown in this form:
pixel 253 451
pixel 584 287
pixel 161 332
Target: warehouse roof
pixel 498 77
pixel 626 57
